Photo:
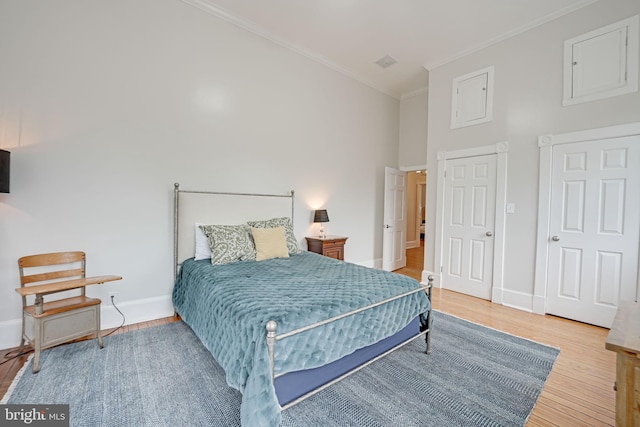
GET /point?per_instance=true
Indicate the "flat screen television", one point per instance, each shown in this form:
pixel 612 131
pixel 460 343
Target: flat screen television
pixel 4 171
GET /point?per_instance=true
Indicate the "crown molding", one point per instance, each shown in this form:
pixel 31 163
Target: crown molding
pixel 414 93
pixel 524 28
pixel 207 6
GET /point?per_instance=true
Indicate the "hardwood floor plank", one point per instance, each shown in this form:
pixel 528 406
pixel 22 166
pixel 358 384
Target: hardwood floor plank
pixel 595 412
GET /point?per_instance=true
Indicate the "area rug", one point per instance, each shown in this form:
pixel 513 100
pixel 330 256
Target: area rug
pixel 163 376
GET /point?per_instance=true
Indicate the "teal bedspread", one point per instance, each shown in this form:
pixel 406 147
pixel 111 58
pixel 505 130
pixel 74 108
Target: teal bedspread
pixel 228 307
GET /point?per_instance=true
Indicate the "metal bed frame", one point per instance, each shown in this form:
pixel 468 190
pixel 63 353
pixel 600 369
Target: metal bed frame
pixel 272 326
pixel 176 213
pixel 273 337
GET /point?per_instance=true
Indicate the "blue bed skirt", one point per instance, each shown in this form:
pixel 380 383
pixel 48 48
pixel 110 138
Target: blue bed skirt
pixel 293 385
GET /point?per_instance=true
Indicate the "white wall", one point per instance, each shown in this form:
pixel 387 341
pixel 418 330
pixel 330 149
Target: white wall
pixel 104 105
pixel 527 103
pixel 413 130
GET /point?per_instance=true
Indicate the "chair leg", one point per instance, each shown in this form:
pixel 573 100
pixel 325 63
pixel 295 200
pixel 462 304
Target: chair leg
pixel 98 331
pixel 36 359
pixel 37 344
pixel 22 340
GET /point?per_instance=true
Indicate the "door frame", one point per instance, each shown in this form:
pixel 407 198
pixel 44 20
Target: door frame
pixel 546 144
pixel 418 192
pixel 501 150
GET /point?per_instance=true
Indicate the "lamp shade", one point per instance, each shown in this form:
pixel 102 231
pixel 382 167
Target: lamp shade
pixel 5 158
pixel 321 216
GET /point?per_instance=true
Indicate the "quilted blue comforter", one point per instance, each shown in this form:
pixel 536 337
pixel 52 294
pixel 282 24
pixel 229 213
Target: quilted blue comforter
pixel 228 307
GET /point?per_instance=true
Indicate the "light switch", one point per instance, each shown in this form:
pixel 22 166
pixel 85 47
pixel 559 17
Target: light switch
pixel 511 208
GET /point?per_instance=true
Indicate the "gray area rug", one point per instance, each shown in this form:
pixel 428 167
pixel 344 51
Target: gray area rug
pixel 163 376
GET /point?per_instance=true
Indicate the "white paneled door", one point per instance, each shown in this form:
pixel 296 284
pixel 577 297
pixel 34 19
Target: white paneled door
pixel 394 237
pixel 468 225
pixel 594 228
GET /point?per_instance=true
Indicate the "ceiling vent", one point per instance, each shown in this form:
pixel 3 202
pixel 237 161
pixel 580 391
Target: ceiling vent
pixel 386 61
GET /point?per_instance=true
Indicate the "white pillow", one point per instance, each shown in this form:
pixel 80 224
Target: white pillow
pixel 203 251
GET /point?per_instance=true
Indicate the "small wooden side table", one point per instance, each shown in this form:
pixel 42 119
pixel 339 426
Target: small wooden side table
pixel 624 339
pixel 330 246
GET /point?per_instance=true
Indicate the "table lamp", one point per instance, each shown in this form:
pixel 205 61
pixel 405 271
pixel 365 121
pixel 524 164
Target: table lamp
pixel 321 216
pixel 5 158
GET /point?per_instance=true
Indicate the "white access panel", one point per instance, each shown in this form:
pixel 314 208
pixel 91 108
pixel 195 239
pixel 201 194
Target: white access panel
pixel 472 98
pixel 602 63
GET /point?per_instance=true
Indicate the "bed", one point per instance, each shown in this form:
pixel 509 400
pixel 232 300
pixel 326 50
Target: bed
pixel 284 327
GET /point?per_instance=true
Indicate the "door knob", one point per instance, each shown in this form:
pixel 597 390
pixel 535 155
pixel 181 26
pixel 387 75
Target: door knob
pixel 387 226
pixel 555 238
pixel 489 233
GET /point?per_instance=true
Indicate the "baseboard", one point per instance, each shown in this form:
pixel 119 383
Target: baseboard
pixel 519 300
pixel 412 244
pixel 136 311
pixel 539 304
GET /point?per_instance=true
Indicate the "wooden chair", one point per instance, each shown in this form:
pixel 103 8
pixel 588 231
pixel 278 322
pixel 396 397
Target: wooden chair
pixel 45 325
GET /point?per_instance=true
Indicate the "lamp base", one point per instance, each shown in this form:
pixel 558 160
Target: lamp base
pixel 322 235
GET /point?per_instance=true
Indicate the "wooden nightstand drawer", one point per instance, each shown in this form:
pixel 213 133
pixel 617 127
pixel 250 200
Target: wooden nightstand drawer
pixel 330 246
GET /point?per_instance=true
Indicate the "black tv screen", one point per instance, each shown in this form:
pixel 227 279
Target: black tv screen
pixel 4 171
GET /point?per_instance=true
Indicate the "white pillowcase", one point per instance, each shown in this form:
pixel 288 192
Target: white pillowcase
pixel 203 251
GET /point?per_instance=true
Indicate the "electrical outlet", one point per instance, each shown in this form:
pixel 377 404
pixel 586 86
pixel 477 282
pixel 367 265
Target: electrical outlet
pixel 112 297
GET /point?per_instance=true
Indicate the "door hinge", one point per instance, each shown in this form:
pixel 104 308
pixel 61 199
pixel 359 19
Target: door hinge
pixel 440 269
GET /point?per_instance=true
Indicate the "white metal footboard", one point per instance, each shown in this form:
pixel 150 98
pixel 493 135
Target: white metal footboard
pixel 273 337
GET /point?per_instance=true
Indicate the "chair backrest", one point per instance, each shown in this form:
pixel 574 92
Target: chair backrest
pixel 75 263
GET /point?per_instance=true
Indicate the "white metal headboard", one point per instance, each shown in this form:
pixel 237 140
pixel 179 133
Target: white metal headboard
pixel 210 207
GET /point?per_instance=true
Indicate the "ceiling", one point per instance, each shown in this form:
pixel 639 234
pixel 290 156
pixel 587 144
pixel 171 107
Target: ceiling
pixel 351 35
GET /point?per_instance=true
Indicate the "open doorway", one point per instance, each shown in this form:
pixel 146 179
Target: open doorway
pixel 415 208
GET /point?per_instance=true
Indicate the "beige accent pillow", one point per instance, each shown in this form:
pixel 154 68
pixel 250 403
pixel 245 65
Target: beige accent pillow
pixel 270 243
pixel 292 242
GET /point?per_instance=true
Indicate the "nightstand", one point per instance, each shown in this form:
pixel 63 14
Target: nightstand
pixel 330 246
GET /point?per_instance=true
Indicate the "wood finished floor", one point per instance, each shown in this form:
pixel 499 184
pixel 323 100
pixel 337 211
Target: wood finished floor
pixel 579 391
